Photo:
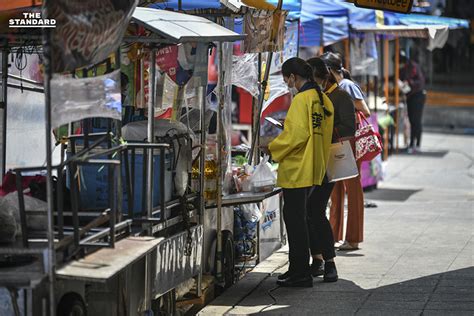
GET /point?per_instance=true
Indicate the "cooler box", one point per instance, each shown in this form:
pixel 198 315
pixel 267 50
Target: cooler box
pixel 93 188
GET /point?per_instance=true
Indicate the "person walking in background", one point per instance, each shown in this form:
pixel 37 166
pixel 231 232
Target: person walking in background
pixel 302 150
pixel 353 187
pixel 411 74
pixel 320 232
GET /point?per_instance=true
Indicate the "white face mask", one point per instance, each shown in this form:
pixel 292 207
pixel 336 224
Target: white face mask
pixel 293 89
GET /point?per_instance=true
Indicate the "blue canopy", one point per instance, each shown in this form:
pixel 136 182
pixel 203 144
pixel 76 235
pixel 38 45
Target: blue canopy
pixel 188 4
pixel 335 26
pixel 292 6
pixel 358 16
pixel 421 19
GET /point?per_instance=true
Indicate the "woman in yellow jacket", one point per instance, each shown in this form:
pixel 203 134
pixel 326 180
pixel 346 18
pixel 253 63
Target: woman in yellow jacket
pixel 302 150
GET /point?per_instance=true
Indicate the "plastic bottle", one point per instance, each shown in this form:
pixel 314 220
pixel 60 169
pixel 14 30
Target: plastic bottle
pixel 210 176
pixel 195 176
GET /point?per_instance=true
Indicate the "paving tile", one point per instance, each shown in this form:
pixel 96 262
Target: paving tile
pixel 453 297
pixel 393 305
pixel 383 312
pixel 446 313
pixel 399 297
pixel 430 281
pixel 451 306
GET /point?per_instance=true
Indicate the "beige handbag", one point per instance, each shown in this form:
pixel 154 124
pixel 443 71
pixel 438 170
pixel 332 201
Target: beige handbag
pixel 342 164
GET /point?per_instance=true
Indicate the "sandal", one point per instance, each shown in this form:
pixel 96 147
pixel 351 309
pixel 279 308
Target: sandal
pixel 348 246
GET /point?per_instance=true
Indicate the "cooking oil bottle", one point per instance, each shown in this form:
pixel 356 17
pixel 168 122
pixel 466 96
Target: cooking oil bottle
pixel 195 176
pixel 210 176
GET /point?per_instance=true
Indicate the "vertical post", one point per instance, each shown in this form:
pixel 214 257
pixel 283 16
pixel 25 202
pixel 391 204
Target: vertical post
pixel 397 92
pixel 321 40
pixel 386 91
pixel 347 53
pixel 49 184
pixel 219 161
pixel 60 195
pixel 150 173
pixel 256 133
pixel 376 91
pixel 151 135
pixel 4 112
pixel 21 204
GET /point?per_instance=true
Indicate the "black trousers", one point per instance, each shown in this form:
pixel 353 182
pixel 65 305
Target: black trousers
pixel 294 214
pixel 415 104
pixel 321 238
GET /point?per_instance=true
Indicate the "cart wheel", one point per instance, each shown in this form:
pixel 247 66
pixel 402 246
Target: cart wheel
pixel 71 304
pixel 228 264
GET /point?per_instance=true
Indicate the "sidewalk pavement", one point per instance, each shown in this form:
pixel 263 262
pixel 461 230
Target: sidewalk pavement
pixel 417 258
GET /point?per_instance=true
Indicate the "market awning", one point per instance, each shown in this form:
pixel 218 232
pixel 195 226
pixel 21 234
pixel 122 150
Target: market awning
pixel 335 23
pixel 214 7
pixel 436 34
pixel 424 20
pixel 179 27
pixel 292 6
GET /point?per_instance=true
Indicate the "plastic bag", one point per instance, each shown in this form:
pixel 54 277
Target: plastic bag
pixel 8 227
pixel 263 179
pixel 36 212
pixel 245 73
pixel 251 212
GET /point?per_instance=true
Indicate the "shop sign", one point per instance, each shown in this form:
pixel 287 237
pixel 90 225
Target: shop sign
pixel 87 31
pixel 402 6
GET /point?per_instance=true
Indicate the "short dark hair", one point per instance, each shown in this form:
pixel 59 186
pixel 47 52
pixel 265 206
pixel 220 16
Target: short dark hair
pixel 332 61
pixel 320 70
pixel 297 66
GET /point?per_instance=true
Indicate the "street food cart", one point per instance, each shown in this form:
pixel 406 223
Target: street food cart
pixel 111 261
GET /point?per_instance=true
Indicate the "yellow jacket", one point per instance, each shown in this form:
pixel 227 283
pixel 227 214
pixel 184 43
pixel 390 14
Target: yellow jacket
pixel 302 149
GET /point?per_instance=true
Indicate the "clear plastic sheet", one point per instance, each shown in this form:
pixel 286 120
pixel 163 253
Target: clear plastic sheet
pixel 245 73
pixel 77 99
pixel 364 56
pixel 277 88
pixel 87 32
pixel 26 121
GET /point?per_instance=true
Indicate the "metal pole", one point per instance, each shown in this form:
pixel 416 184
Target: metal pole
pixel 386 94
pixel 260 106
pixel 149 196
pixel 202 61
pixel 397 92
pixel 49 184
pixel 4 106
pixel 219 162
pixel 151 134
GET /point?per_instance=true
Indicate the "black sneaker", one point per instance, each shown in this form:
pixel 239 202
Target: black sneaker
pixel 297 281
pixel 330 272
pixel 283 276
pixel 317 268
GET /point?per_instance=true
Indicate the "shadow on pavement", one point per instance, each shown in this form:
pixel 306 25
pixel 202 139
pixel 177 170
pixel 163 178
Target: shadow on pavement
pixel 383 194
pixel 430 154
pixel 438 294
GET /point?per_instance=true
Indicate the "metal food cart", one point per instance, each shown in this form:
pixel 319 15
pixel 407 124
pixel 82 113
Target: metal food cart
pixel 115 257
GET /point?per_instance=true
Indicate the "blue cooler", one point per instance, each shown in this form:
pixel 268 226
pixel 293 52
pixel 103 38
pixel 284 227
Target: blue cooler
pixel 93 190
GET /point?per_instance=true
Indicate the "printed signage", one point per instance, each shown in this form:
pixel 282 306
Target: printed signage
pixel 402 6
pixel 87 31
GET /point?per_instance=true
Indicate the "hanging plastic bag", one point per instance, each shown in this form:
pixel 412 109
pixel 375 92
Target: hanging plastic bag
pixel 251 212
pixel 263 179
